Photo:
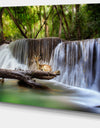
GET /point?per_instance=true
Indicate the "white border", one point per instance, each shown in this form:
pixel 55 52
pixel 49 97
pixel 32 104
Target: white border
pixel 19 116
pixel 6 3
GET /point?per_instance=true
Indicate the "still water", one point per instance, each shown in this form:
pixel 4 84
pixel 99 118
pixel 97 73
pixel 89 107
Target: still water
pixel 60 97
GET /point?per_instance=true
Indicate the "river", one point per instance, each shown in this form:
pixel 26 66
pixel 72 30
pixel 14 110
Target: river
pixel 77 88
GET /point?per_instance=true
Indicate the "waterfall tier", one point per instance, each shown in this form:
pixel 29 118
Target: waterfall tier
pixel 23 50
pixel 78 62
pixel 18 54
pixel 7 61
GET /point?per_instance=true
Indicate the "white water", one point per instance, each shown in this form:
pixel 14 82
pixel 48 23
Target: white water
pixel 19 50
pixel 7 61
pixel 79 63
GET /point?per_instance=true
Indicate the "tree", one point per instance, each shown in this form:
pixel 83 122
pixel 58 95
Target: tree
pixel 43 23
pixel 1 26
pixel 46 26
pixel 70 22
pixel 66 23
pixel 15 21
pixel 93 23
pixel 61 21
pixel 78 20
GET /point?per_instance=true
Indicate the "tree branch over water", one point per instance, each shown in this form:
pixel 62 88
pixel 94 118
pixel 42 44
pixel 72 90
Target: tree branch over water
pixel 26 77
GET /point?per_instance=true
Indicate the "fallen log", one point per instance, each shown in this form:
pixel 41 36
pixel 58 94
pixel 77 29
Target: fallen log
pixel 26 77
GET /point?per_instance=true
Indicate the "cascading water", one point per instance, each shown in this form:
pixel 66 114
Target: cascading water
pixel 7 61
pixel 79 63
pixel 18 54
pixel 19 50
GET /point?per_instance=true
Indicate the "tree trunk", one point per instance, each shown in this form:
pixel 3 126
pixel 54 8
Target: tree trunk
pixel 73 7
pixel 43 24
pixel 15 21
pixel 1 26
pixel 46 26
pixel 26 77
pixel 40 15
pixel 30 29
pixel 45 20
pixel 63 14
pixel 61 21
pixel 77 21
pixel 52 26
pixel 73 14
pixel 34 23
pixel 60 27
pixel 23 27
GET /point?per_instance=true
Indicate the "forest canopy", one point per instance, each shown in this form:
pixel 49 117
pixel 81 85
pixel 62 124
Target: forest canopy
pixel 69 22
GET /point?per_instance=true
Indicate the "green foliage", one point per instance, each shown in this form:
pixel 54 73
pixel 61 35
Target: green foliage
pixel 83 21
pixel 94 19
pixel 11 32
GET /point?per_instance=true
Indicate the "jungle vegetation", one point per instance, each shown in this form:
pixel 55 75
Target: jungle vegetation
pixel 69 22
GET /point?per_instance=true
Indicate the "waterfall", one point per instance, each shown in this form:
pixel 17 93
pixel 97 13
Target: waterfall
pixel 78 62
pixel 7 61
pixel 18 54
pixel 19 50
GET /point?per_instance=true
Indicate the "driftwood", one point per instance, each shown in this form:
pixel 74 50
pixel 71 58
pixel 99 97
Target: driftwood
pixel 26 76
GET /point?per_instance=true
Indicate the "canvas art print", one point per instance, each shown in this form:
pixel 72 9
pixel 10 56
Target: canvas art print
pixel 50 56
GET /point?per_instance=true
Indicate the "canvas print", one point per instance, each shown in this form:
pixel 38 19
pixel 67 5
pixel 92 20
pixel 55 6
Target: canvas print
pixel 50 56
